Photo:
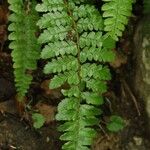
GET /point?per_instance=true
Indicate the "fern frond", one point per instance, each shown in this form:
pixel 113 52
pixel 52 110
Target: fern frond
pixel 24 43
pixel 116 13
pixel 72 35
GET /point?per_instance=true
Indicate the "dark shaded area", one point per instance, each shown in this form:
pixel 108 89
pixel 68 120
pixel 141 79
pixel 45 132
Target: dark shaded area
pixel 16 134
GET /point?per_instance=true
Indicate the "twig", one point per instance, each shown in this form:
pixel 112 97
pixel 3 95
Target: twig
pixel 123 91
pixel 132 96
pixel 104 131
pixel 109 103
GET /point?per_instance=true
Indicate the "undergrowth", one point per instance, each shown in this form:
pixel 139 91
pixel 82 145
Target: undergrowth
pixel 77 41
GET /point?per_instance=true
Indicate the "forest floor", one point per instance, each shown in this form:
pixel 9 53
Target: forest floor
pixel 17 133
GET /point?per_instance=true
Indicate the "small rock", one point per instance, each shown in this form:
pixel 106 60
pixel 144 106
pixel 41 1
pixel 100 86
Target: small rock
pixel 138 140
pixel 47 139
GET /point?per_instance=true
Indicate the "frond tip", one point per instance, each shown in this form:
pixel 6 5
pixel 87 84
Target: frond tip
pixel 116 13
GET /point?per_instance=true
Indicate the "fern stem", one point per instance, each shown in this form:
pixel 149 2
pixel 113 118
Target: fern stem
pixel 79 68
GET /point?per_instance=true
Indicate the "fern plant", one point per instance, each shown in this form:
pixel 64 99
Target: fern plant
pixel 24 42
pixel 77 48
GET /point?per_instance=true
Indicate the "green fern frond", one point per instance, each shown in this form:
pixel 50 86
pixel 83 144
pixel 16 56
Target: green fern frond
pixel 24 42
pixel 116 13
pixel 76 50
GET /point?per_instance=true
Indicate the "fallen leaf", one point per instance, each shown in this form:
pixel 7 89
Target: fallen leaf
pixel 106 143
pixel 51 93
pixel 47 111
pixel 8 107
pixel 4 12
pixel 45 87
pixel 120 60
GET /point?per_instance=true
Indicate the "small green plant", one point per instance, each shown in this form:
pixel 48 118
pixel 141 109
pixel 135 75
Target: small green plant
pixel 24 42
pixel 115 124
pixel 38 120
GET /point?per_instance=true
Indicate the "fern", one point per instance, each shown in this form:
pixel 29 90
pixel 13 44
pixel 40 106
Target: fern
pixel 116 13
pixel 73 41
pixel 24 42
pixel 76 50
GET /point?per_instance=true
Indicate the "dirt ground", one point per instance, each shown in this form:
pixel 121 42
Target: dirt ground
pixel 17 133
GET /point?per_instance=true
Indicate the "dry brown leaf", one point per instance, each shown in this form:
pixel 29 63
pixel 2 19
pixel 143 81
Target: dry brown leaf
pixel 121 59
pixel 51 93
pixel 47 111
pixel 4 13
pixel 45 87
pixel 8 107
pixel 106 143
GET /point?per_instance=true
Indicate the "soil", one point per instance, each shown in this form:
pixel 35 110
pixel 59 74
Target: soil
pixel 18 133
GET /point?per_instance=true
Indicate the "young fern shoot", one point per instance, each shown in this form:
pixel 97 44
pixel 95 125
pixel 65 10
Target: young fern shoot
pixel 76 50
pixel 24 42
